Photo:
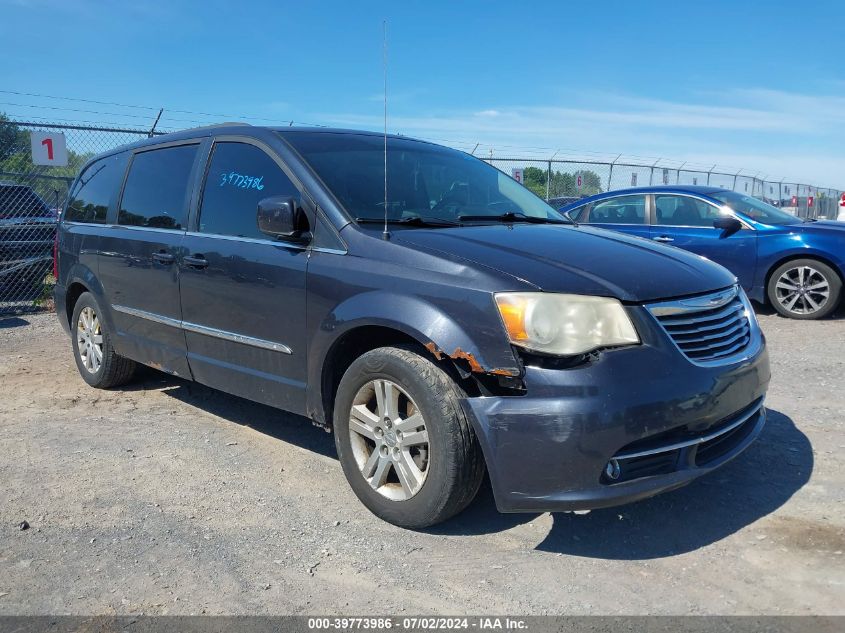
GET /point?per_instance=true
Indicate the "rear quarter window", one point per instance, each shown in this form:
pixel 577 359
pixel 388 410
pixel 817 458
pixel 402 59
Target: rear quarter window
pixel 579 214
pixel 95 189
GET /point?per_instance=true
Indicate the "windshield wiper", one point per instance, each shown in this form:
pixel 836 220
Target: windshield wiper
pixel 412 221
pixel 510 216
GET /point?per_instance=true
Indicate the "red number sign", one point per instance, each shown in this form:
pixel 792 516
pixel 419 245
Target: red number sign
pixel 48 142
pixel 48 148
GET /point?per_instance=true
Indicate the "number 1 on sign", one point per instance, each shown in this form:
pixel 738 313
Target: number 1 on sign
pixel 49 143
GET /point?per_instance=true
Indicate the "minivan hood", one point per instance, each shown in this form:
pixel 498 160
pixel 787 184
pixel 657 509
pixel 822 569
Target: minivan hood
pixel 576 259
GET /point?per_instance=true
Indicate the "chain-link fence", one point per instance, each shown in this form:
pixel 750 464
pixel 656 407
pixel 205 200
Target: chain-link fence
pixel 32 196
pixel 563 181
pixel 31 200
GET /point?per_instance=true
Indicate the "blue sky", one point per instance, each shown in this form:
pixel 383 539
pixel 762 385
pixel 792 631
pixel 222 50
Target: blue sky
pixel 753 85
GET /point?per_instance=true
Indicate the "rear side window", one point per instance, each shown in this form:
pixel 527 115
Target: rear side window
pixel 621 210
pixel 94 190
pixel 239 176
pixel 684 211
pixel 156 191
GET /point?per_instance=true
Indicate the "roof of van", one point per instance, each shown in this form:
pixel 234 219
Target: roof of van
pixel 244 129
pixel 247 130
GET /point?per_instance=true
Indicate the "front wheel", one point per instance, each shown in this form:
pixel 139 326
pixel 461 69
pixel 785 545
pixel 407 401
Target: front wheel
pixel 804 289
pixel 405 445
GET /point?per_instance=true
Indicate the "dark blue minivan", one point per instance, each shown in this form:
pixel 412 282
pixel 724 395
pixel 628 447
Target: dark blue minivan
pixel 443 322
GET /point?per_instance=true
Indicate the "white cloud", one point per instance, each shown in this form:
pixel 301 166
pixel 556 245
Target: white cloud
pixel 759 130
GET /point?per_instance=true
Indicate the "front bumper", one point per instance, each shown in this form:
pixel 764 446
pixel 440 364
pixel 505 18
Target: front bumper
pixel 647 406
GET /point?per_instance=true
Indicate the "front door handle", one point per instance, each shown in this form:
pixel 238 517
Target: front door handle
pixel 664 238
pixel 163 257
pixel 195 261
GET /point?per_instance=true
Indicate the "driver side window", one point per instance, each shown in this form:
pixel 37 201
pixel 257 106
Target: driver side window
pixel 239 176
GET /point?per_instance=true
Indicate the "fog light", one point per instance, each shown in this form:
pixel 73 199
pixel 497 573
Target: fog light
pixel 612 470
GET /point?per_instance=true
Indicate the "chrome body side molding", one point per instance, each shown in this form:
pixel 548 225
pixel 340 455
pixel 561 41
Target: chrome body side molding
pixel 234 337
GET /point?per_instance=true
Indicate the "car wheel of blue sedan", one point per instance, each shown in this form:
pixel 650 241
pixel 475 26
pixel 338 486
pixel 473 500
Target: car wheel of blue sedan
pixel 804 289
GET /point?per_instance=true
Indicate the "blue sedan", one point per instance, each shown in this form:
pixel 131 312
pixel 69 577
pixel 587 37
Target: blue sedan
pixel 795 265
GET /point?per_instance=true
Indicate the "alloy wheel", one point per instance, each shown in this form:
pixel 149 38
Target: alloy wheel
pixel 389 440
pixel 89 339
pixel 802 290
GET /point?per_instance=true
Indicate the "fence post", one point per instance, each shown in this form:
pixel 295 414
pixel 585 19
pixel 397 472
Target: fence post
pixel 549 181
pixel 651 175
pixel 153 128
pixel 610 175
pixel 708 174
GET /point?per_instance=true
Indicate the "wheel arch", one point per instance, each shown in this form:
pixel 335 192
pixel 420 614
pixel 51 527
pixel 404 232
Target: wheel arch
pixel 81 279
pixel 794 256
pixel 74 291
pixel 377 319
pixel 364 338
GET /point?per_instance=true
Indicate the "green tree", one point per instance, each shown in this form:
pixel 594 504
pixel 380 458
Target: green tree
pixel 16 163
pixel 16 153
pixel 535 179
pixel 566 184
pixel 12 138
pixel 562 183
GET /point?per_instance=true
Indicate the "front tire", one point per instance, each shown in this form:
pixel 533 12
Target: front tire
pixel 403 440
pixel 98 364
pixel 804 289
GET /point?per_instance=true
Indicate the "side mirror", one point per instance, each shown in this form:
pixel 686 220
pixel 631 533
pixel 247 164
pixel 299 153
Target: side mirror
pixel 282 218
pixel 728 224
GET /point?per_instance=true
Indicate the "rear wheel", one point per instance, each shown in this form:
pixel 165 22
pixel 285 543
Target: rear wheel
pixel 405 445
pixel 98 364
pixel 804 289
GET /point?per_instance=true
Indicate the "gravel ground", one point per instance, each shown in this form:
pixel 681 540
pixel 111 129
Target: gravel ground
pixel 170 498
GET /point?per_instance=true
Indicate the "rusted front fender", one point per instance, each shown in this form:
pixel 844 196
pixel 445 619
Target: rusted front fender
pixel 442 333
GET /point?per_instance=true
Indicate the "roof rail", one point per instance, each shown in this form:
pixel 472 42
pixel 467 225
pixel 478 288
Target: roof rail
pixel 216 125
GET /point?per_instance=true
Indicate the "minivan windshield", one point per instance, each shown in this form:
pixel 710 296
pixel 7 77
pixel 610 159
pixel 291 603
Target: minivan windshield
pixel 427 185
pixel 755 209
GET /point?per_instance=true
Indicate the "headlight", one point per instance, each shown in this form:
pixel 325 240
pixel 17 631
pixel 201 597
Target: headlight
pixel 564 324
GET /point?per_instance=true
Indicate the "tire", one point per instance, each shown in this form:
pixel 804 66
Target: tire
pixel 449 465
pixel 106 369
pixel 804 289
